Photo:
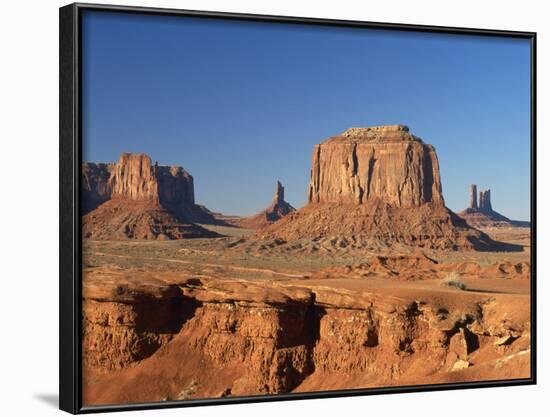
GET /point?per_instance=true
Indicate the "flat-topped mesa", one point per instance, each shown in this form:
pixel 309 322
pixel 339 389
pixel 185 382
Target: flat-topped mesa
pixel 385 163
pixel 137 199
pixel 134 177
pixel 390 133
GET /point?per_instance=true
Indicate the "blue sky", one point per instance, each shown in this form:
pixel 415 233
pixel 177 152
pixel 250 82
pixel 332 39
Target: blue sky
pixel 241 104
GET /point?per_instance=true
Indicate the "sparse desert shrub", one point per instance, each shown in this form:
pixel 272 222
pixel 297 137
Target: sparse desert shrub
pixel 453 280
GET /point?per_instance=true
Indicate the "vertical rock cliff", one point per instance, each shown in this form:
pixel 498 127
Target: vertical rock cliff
pixel 97 185
pixel 385 162
pixel 473 196
pixel 135 179
pixel 135 198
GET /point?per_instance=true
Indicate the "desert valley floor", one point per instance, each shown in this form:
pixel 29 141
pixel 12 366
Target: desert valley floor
pixel 232 316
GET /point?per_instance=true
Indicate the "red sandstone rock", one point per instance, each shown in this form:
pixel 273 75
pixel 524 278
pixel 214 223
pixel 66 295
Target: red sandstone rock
pixel 120 219
pixel 382 184
pixel 473 196
pixel 134 178
pixel 276 211
pixel 138 200
pixel 385 162
pixel 199 338
pixel 97 185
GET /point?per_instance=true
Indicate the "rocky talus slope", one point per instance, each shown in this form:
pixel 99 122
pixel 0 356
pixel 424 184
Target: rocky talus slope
pixel 377 184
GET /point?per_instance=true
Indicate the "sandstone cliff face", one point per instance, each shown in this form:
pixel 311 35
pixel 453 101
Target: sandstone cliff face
pixel 97 185
pixel 364 164
pixel 134 178
pixel 138 200
pixel 290 338
pixel 175 186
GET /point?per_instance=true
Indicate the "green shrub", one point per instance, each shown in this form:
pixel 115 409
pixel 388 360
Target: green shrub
pixel 453 280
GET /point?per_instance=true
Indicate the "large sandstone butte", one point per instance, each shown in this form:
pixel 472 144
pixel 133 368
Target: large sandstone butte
pixel 378 183
pixel 383 162
pixel 136 199
pixel 480 212
pixel 278 209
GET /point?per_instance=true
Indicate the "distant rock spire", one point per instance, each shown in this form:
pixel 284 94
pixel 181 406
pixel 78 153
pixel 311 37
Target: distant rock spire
pixel 279 197
pixel 473 196
pixel 485 200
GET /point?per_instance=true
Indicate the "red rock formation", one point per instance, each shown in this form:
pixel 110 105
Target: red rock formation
pixel 377 184
pixel 385 162
pixel 120 219
pixel 235 338
pixel 483 215
pixel 97 185
pixel 134 178
pixel 276 211
pixel 136 199
pixel 473 196
pixel 175 186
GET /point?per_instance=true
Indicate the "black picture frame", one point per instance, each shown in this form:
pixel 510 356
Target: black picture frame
pixel 70 154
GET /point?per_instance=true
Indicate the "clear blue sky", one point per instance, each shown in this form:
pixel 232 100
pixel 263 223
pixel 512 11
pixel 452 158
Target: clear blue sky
pixel 241 104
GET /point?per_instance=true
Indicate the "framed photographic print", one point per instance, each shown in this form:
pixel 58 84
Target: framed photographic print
pixel 262 208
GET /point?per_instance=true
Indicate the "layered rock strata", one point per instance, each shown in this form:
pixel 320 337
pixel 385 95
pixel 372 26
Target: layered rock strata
pixel 378 183
pixel 365 164
pixel 216 338
pixel 138 200
pixel 97 185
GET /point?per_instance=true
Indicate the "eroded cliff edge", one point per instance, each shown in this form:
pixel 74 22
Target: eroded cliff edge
pixel 156 337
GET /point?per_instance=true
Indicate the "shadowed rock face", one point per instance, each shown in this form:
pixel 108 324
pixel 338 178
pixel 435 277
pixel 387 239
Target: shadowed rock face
pixel 97 184
pixel 473 196
pixel 384 162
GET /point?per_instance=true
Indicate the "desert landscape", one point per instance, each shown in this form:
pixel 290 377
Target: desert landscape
pixel 374 282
